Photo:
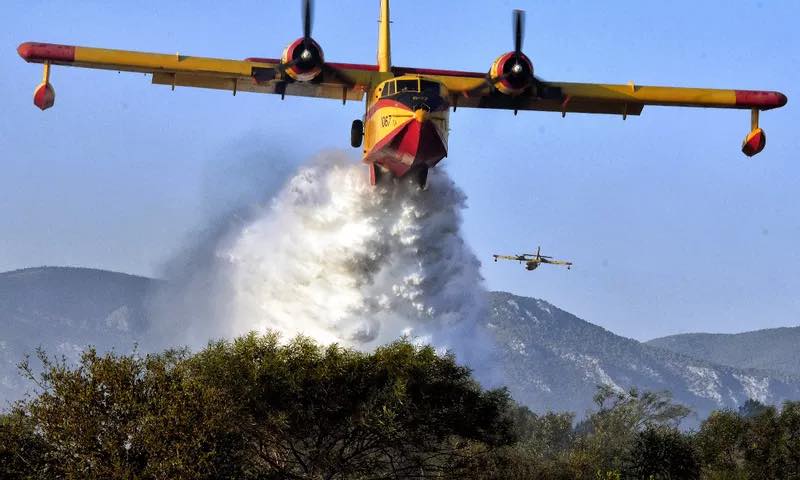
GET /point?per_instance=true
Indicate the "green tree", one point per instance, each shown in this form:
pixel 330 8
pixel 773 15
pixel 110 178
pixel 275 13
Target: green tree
pixel 763 447
pixel 751 408
pixel 23 453
pixel 116 416
pixel 540 451
pixel 790 439
pixel 314 412
pixel 661 453
pixel 547 435
pixel 721 444
pixel 606 437
pixel 259 408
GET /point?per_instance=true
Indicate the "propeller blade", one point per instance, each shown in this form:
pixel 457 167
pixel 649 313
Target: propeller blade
pixel 519 31
pixel 307 14
pixel 518 23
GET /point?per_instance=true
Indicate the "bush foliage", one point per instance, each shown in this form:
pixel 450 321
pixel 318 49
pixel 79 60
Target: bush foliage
pixel 259 408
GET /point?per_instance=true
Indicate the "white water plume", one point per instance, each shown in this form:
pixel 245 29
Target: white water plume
pixel 336 259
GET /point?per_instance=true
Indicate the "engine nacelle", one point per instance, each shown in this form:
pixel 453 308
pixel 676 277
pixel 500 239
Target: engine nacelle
pixel 512 74
pixel 303 61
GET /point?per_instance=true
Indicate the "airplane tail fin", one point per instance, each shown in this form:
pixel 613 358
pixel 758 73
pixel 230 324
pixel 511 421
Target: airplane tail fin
pixel 384 40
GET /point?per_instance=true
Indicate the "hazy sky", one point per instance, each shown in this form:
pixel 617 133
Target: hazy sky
pixel 670 227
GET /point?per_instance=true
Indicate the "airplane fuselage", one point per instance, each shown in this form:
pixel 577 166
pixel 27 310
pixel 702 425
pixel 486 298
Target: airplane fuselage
pixel 406 125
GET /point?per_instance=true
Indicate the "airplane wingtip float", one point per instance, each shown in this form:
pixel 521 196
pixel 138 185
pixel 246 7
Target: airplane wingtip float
pixel 405 127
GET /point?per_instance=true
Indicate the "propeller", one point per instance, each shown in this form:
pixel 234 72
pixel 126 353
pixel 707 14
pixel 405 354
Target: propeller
pixel 307 14
pixel 307 54
pixel 519 32
pixel 305 62
pixel 518 68
pixel 518 25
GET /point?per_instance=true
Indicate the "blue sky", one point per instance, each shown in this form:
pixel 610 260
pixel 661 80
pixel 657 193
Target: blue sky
pixel 670 227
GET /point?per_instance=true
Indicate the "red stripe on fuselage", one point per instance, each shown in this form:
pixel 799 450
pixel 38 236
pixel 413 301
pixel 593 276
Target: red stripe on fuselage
pixel 389 137
pixel 386 102
pixel 411 145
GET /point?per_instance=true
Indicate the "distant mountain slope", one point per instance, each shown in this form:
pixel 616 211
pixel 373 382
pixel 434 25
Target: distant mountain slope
pixel 774 349
pixel 554 361
pixel 64 309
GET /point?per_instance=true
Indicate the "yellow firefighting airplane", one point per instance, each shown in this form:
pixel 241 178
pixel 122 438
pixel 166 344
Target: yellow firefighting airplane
pixel 405 127
pixel 532 261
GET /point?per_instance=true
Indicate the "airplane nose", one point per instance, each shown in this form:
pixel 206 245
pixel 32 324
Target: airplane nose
pixel 420 115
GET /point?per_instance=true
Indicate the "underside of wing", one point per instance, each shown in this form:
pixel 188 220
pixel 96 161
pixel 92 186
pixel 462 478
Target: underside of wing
pixel 558 262
pixel 494 90
pixel 508 257
pixel 630 98
pixel 554 100
pixel 473 90
pixel 321 89
pixel 335 81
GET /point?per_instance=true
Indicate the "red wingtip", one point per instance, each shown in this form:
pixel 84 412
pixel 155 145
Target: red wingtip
pixel 24 50
pixel 41 52
pixel 759 99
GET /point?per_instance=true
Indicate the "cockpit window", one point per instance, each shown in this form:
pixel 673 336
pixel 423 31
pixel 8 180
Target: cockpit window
pixel 388 89
pixel 410 85
pixel 429 87
pixel 407 86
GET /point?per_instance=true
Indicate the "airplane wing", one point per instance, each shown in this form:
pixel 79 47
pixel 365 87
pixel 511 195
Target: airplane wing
pixel 556 262
pixel 474 90
pixel 350 81
pixel 508 257
pixel 262 75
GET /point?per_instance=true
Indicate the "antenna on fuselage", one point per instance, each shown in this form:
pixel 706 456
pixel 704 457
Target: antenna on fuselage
pixel 384 40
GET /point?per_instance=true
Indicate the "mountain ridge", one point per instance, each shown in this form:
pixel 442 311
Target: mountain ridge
pixel 577 355
pixel 741 350
pixel 552 359
pixel 64 309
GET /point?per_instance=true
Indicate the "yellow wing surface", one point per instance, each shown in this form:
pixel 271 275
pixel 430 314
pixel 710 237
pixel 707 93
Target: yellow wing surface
pixel 263 75
pixel 556 262
pixel 351 81
pixel 478 90
pixel 475 90
pixel 509 257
